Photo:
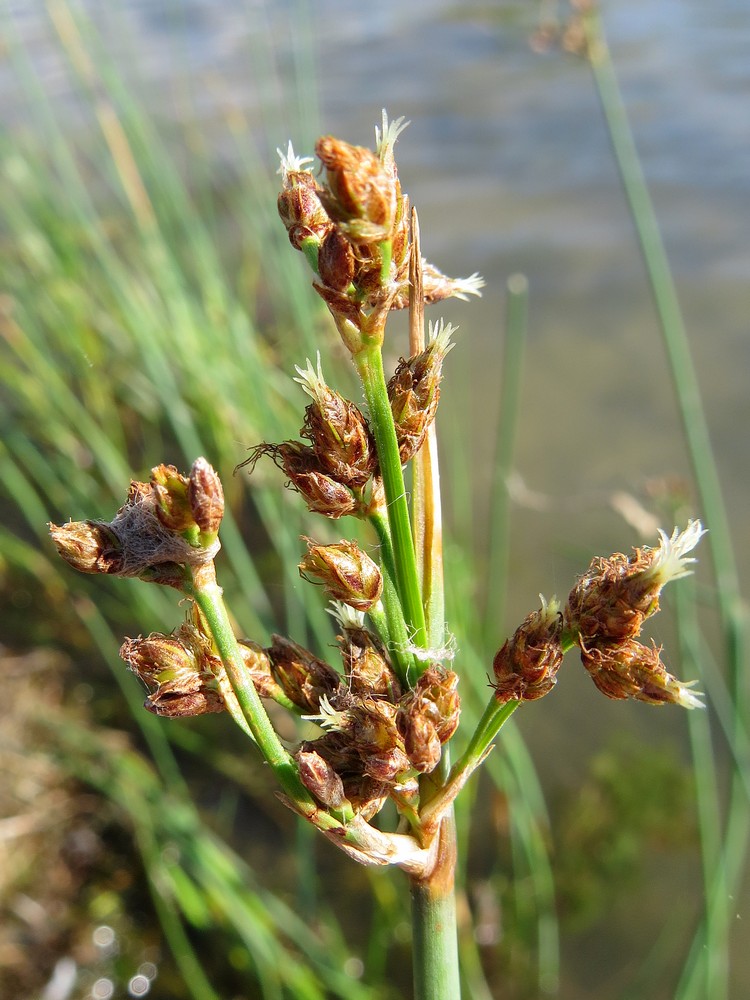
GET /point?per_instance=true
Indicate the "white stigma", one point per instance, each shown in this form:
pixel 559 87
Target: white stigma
pixel 290 162
pixel 670 559
pixel 386 139
pixel 310 380
pixel 328 717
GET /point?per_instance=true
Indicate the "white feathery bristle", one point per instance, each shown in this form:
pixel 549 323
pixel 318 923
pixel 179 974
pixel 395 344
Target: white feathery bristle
pixel 290 162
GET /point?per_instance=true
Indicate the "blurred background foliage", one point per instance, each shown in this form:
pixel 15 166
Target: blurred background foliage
pixel 152 310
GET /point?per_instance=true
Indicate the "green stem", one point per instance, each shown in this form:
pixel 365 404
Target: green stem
pixel 715 930
pixel 369 363
pixel 379 619
pixel 494 718
pixel 399 639
pixel 207 594
pixel 435 942
pixel 437 808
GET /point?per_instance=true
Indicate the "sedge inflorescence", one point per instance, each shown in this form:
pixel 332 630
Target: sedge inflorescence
pixel 388 707
pixel 603 616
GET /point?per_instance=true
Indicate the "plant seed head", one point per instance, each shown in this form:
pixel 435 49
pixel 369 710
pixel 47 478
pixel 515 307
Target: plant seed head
pixel 178 670
pixel 303 677
pixel 628 669
pixel 206 497
pixel 611 601
pixel 526 666
pixel 346 572
pixel 88 546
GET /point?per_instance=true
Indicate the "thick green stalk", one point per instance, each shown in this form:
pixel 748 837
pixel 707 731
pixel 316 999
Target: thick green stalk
pixel 495 716
pixel 715 930
pixel 369 363
pixel 435 946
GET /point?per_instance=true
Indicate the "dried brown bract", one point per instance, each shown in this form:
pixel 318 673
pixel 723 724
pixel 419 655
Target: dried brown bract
pixel 607 608
pixel 322 493
pixel 631 670
pixel 155 532
pixel 429 716
pixel 337 430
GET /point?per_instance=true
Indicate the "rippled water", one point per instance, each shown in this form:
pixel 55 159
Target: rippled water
pixel 509 163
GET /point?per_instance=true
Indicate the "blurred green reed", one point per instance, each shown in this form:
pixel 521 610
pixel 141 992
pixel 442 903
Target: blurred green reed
pixel 126 341
pixel 130 336
pixel 724 827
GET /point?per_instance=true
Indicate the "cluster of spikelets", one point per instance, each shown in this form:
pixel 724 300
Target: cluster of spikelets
pixel 604 615
pixel 164 525
pixel 335 469
pixel 377 737
pixel 354 229
pixel 382 725
pixel 379 732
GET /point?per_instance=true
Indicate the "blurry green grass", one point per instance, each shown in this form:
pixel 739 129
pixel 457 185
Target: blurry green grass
pixel 127 342
pixel 146 317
